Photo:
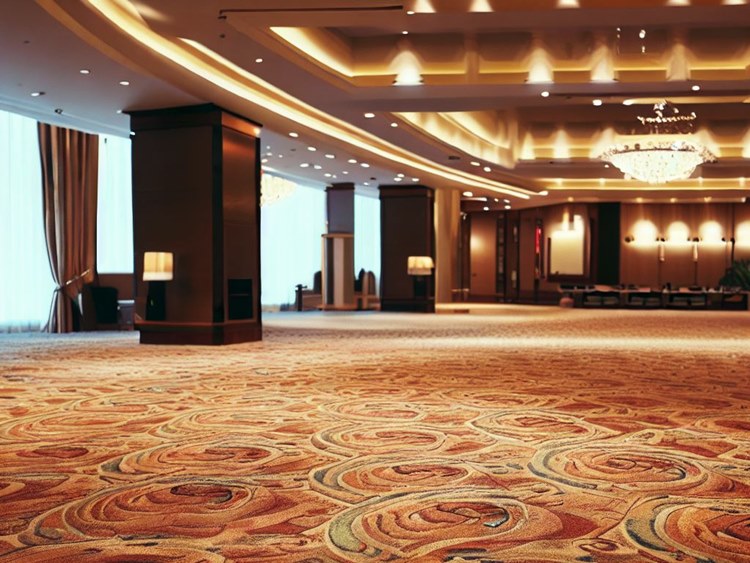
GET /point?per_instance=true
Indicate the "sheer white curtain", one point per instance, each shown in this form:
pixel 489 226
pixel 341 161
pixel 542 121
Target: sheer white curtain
pixel 291 230
pixel 26 284
pixel 367 234
pixel 114 235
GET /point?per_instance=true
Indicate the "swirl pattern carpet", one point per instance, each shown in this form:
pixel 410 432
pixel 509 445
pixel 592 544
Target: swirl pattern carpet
pixel 527 435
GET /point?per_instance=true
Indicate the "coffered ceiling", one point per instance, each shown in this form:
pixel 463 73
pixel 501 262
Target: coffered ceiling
pixel 508 99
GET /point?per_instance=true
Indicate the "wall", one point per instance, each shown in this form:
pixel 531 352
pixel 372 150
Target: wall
pixel 608 258
pixel 543 287
pixel 678 260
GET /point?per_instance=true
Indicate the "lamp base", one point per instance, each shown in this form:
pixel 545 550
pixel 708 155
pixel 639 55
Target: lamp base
pixel 156 301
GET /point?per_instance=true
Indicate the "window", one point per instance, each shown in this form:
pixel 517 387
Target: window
pixel 291 230
pixel 114 231
pixel 367 234
pixel 26 286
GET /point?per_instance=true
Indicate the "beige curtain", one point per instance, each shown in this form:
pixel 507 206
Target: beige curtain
pixel 69 182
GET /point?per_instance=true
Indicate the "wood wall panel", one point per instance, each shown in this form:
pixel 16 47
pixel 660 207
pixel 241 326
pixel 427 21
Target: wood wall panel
pixel 483 251
pixel 742 232
pixel 173 205
pixel 638 263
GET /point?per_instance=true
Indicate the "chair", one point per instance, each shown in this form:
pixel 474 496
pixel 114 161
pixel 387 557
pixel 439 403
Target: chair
pixel 99 308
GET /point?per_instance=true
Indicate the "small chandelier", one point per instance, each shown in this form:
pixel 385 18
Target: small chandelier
pixel 666 157
pixel 274 188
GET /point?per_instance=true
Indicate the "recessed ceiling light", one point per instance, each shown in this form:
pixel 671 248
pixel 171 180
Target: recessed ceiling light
pixel 642 34
pixel 304 165
pixel 597 102
pixel 258 60
pixel 269 154
pixel 352 161
pixel 415 179
pixel 311 149
pixel 570 198
pixel 364 165
pixel 545 94
pixel 487 169
pixel 317 167
pixel 400 175
pixel 397 179
pixel 506 200
pixel 474 163
pixel 695 88
pixel 496 200
pixel 124 83
pixel 468 194
pixel 507 207
pixel 367 183
pixel 394 124
pixel 485 208
pixel 345 172
pixel 327 175
pixel 37 94
pixel 119 111
pixel 280 156
pixel 369 115
pixel 85 71
pixel 544 192
pixel 329 155
pixel 410 12
pixel 293 135
pixel 672 200
pixel 404 32
pixel 264 161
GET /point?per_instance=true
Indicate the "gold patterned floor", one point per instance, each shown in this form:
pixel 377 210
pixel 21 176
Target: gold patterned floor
pixel 520 435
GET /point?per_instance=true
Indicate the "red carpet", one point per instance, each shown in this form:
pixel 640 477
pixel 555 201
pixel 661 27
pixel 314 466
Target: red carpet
pixel 536 435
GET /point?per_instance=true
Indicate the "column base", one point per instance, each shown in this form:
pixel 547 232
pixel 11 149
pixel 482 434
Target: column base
pixel 408 305
pixel 203 334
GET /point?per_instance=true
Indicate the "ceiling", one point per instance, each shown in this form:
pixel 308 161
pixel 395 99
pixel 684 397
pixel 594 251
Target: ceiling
pixel 495 97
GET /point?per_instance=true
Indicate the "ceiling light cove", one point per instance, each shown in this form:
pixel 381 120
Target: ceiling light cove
pixel 248 88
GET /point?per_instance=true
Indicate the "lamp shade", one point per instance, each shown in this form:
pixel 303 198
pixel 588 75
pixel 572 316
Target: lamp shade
pixel 157 266
pixel 420 265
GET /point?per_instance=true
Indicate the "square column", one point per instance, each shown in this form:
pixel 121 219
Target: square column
pixel 196 194
pixel 407 229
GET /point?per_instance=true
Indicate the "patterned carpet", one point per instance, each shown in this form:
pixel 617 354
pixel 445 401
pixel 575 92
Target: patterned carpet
pixel 530 435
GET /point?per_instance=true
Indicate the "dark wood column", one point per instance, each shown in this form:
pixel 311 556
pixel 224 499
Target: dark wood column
pixel 406 229
pixel 196 192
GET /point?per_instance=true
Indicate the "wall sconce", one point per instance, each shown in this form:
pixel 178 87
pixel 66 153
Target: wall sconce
pixel 660 241
pixel 695 241
pixel 419 267
pixel 158 268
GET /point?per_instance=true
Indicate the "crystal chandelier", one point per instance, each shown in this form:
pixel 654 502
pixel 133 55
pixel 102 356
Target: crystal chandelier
pixel 666 157
pixel 274 188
